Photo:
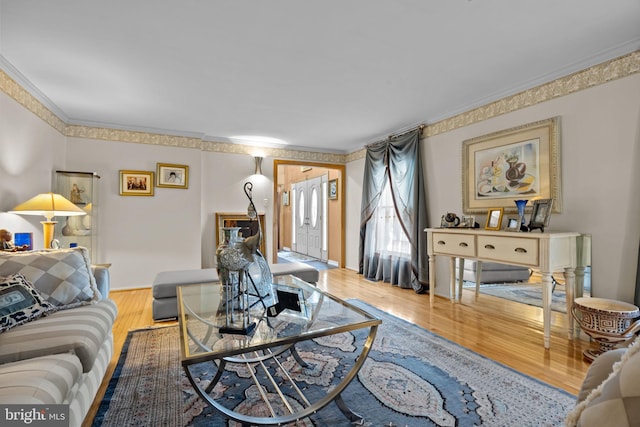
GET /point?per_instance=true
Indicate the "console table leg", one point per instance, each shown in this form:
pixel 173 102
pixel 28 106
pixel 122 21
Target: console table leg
pixel 452 279
pixel 570 285
pixel 547 288
pixel 460 278
pixel 432 279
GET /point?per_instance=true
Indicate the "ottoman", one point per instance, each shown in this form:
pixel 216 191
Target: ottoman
pixel 165 300
pixel 493 272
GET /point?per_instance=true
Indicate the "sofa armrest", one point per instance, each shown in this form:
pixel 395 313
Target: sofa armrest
pixel 101 274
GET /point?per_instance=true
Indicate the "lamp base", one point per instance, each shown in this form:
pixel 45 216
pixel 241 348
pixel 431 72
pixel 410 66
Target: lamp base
pixel 47 231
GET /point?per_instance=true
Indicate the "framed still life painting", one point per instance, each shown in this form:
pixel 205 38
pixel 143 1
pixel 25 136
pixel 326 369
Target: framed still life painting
pixel 517 163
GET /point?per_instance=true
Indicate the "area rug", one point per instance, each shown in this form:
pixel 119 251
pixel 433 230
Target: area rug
pixel 526 293
pixel 412 377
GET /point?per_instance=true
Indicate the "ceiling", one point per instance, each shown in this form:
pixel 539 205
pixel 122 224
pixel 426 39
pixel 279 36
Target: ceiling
pixel 323 76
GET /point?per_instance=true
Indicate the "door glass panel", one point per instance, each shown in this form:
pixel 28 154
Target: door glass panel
pixel 314 207
pixel 301 208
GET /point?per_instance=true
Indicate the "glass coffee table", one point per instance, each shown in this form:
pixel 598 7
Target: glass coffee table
pixel 294 311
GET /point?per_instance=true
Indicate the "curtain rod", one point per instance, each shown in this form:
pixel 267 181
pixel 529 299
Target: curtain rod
pixel 390 137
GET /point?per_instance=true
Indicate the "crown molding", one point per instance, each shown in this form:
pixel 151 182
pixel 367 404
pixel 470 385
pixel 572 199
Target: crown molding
pixel 593 76
pixel 12 84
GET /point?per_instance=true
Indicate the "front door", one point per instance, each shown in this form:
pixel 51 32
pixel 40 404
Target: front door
pixel 308 217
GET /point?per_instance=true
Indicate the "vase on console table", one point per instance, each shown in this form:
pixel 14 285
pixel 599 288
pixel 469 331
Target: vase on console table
pixel 520 204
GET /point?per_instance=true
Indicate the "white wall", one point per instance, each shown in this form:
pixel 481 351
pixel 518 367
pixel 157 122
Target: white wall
pixel 141 236
pixel 355 176
pixel 600 169
pixel 30 150
pixel 223 178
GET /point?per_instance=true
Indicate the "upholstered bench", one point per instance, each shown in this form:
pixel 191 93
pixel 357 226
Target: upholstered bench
pixel 165 300
pixel 493 272
pixel 299 269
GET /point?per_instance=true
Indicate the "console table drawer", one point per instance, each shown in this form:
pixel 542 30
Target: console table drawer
pixel 509 249
pixel 454 244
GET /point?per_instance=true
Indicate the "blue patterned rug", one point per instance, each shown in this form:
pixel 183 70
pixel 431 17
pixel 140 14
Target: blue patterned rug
pixel 412 377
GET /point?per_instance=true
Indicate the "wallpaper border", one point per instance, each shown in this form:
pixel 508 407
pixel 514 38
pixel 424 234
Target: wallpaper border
pixel 598 74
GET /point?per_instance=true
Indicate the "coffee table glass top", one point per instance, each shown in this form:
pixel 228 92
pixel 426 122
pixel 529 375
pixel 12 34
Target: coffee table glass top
pixel 203 311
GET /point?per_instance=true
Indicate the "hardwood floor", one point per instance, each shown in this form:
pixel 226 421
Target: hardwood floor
pixel 507 332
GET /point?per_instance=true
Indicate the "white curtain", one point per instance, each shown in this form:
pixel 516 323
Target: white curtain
pixel 387 242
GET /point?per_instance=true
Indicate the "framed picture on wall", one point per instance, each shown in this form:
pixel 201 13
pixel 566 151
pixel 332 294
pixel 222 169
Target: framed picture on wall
pixel 136 183
pixel 517 163
pixel 172 176
pixel 333 189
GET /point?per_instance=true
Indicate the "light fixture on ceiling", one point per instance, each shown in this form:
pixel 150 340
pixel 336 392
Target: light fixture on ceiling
pixel 258 161
pixel 48 205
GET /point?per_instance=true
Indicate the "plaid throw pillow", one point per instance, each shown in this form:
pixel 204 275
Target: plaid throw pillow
pixel 63 277
pixel 20 302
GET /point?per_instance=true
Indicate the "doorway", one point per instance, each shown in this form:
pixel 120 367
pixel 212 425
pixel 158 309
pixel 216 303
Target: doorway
pixel 309 220
pixel 289 221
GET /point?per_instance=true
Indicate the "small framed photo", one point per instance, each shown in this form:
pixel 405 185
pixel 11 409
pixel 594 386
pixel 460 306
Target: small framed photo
pixel 136 183
pixel 333 189
pixel 494 219
pixel 172 176
pixel 541 214
pixel 468 222
pixel 513 223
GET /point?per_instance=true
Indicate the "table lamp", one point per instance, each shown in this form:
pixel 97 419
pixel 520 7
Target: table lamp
pixel 48 205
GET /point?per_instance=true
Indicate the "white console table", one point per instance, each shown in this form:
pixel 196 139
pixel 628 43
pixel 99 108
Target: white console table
pixel 547 252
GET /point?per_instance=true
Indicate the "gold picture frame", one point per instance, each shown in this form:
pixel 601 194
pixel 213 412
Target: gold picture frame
pixel 136 183
pixel 517 163
pixel 246 224
pixel 172 176
pixel 494 219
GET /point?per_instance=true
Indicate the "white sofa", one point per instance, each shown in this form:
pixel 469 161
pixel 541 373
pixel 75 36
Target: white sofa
pixel 54 355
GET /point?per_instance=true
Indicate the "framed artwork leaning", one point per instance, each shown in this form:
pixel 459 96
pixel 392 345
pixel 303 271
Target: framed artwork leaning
pixel 517 163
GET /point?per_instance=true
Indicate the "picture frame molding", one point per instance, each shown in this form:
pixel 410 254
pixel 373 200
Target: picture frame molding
pixel 126 190
pixel 162 169
pixel 490 214
pixel 546 133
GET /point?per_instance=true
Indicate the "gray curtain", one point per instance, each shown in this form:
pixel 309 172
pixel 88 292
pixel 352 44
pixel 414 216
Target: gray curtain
pixel 397 160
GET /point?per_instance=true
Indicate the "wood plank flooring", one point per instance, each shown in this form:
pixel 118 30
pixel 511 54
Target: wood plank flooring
pixel 507 332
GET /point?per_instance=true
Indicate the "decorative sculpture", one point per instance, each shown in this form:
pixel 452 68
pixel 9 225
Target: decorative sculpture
pixel 240 263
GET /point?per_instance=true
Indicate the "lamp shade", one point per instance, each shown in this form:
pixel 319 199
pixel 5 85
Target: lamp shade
pixel 48 205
